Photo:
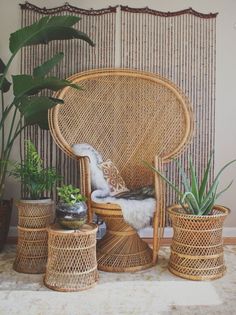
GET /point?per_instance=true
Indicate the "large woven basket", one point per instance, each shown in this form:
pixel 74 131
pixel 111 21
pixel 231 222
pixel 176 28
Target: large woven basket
pixel 197 246
pixel 35 214
pixel 34 218
pixel 32 250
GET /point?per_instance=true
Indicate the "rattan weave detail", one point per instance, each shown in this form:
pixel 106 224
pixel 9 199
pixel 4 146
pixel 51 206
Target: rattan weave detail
pixel 35 215
pixel 72 264
pixel 128 116
pixel 32 249
pixel 197 246
pixel 121 249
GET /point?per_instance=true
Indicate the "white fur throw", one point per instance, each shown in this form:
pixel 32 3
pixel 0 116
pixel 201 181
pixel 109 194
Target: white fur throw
pixel 136 212
pixel 97 179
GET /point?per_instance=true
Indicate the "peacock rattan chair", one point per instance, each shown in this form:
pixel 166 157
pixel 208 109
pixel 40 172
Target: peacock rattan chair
pixel 129 116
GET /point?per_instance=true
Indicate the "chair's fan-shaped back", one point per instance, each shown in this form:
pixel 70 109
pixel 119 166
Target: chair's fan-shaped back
pixel 127 115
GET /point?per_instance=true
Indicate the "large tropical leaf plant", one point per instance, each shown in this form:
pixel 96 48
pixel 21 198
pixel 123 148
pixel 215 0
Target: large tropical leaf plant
pixel 28 106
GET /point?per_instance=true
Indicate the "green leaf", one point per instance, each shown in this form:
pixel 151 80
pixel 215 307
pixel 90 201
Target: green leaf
pixel 223 168
pixel 191 200
pixel 194 182
pixel 35 110
pixel 164 178
pixel 5 86
pixel 211 192
pixel 32 106
pixel 205 179
pixel 2 66
pixel 184 176
pixel 41 120
pixel 222 191
pixel 47 66
pixel 45 30
pixel 208 207
pixel 28 85
pixel 215 183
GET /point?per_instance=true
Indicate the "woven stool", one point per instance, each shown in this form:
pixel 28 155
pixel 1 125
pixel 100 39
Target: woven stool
pixel 72 263
pixel 32 250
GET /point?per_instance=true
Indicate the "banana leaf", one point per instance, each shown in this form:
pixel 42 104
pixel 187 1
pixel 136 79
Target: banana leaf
pixel 47 66
pixel 28 85
pixel 45 30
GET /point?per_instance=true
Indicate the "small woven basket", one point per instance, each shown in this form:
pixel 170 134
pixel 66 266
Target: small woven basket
pixel 72 263
pixel 32 250
pixel 197 245
pixel 33 214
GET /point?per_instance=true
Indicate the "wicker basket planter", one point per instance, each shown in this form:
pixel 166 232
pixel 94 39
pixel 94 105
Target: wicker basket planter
pixel 35 213
pixel 197 246
pixel 34 218
pixel 32 250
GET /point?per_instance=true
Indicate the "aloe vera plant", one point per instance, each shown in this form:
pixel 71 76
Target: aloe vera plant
pixel 27 106
pixel 196 198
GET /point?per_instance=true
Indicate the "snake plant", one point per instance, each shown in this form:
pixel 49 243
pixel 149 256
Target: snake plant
pixel 196 198
pixel 26 105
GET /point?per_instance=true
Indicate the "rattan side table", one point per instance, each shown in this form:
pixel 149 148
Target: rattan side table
pixel 72 262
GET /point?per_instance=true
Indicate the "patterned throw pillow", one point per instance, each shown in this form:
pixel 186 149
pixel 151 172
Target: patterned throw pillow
pixel 113 178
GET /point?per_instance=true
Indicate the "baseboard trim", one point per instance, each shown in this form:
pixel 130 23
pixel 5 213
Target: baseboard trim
pixel 229 235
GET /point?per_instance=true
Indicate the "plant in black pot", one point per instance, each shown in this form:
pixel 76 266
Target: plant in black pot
pixel 71 211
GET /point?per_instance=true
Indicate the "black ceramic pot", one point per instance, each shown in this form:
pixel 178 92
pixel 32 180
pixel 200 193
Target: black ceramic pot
pixel 71 216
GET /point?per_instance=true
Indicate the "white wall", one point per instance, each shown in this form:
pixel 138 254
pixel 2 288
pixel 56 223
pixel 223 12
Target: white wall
pixel 225 72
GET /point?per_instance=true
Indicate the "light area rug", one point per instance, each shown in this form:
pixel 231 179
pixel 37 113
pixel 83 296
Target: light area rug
pixel 153 291
pixel 125 297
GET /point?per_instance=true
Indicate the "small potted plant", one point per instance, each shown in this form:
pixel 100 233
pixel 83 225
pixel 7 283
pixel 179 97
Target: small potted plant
pixel 71 211
pixel 35 211
pixel 197 245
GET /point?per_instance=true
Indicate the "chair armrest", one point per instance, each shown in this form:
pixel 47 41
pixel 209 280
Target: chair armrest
pixel 159 215
pixel 85 183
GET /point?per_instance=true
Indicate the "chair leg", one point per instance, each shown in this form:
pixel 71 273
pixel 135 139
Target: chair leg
pixel 121 249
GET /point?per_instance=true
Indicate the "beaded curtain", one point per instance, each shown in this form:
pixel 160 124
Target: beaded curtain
pixel 181 46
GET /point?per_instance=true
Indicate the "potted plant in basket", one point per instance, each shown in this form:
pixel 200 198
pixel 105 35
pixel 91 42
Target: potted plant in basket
pixel 26 105
pixel 197 245
pixel 71 211
pixel 37 210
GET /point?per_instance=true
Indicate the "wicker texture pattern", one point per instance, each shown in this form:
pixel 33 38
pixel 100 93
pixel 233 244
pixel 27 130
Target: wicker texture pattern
pixel 121 249
pixel 72 264
pixel 132 116
pixel 197 246
pixel 129 116
pixel 35 215
pixel 34 219
pixel 32 250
